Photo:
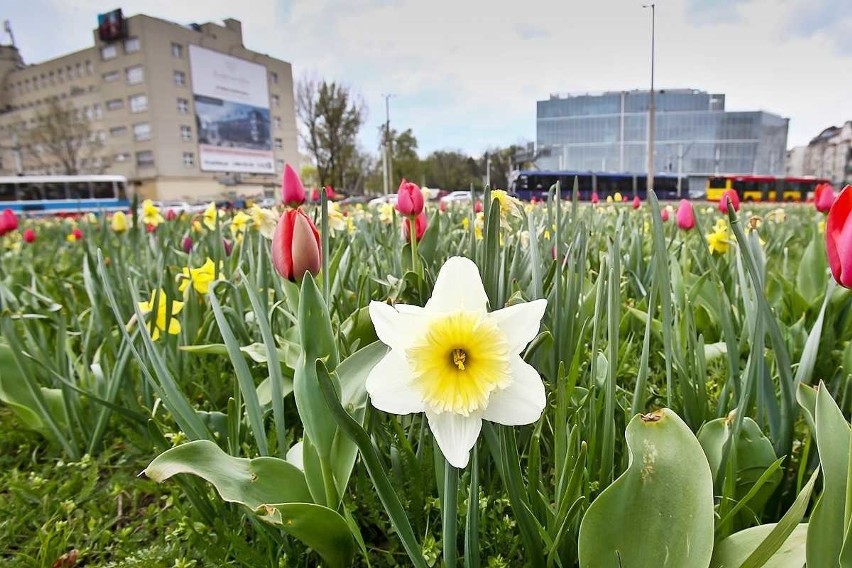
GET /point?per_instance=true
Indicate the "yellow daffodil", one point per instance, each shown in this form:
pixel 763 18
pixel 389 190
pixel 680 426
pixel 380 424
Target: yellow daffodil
pixel 350 225
pixel 478 224
pixel 119 222
pixel 197 227
pixel 457 362
pixel 609 199
pixel 336 220
pixel 210 215
pixel 617 197
pixel 265 220
pixel 200 277
pixel 720 226
pixel 718 242
pixel 508 204
pixel 386 213
pixel 164 321
pixel 239 223
pixel 151 213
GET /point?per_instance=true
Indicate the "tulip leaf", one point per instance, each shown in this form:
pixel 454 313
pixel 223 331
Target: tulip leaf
pixel 813 269
pixel 734 550
pixel 639 520
pixel 250 482
pixel 321 528
pixel 825 527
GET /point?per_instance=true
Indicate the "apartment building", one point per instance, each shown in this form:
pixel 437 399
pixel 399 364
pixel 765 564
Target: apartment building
pixel 828 155
pixel 184 112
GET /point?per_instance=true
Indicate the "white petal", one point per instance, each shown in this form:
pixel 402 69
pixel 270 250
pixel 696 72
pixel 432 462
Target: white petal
pixel 397 329
pixel 458 287
pixel 520 323
pixel 522 401
pixel 455 435
pixel 294 455
pixel 390 387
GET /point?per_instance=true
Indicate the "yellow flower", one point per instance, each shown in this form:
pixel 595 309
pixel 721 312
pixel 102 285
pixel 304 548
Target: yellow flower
pixel 609 198
pixel 119 222
pixel 210 216
pixel 617 197
pixel 71 238
pixel 720 226
pixel 777 215
pixel 164 320
pixel 822 227
pixel 386 213
pixel 265 220
pixel 336 220
pixel 151 213
pixel 350 225
pixel 508 204
pixel 477 225
pixel 196 226
pixel 200 277
pixel 717 241
pixel 239 223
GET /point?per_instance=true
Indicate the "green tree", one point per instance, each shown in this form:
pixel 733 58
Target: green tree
pixel 62 138
pixel 451 170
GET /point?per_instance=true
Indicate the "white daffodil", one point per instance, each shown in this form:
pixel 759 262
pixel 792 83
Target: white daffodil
pixel 457 362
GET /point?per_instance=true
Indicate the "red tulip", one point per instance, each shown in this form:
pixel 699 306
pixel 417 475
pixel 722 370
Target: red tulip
pixel 838 238
pixel 685 215
pixel 228 246
pixel 823 197
pixel 477 206
pixel 78 234
pixel 409 199
pixel 595 198
pixel 420 223
pixel 296 247
pixel 637 203
pixel 187 244
pixel 735 201
pixel 442 206
pixel 171 215
pixel 8 222
pixel 664 215
pixel 292 190
pixel 151 228
pixel 29 236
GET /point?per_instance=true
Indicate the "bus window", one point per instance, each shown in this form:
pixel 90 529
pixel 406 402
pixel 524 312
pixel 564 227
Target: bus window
pixel 717 183
pixel 7 192
pixel 79 190
pixel 103 190
pixel 122 190
pixel 28 191
pixel 55 190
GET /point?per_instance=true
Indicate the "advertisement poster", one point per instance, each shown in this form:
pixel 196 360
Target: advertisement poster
pixel 231 112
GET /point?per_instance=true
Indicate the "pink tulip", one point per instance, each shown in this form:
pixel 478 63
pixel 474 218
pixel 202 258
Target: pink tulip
pixel 685 215
pixel 296 246
pixel 409 199
pixel 735 201
pixel 838 238
pixel 595 198
pixel 8 222
pixel 29 236
pixel 664 215
pixel 637 203
pixel 292 190
pixel 420 223
pixel 823 197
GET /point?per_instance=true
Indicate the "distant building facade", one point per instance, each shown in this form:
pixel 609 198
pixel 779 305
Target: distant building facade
pixel 184 112
pixel 694 134
pixel 829 155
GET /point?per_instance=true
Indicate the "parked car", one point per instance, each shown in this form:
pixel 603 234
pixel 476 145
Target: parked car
pixel 176 206
pixel 456 197
pixel 355 199
pixel 388 198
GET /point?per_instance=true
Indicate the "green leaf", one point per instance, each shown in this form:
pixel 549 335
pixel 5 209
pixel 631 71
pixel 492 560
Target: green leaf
pixel 733 551
pixel 813 269
pixel 660 511
pixel 319 527
pixel 250 482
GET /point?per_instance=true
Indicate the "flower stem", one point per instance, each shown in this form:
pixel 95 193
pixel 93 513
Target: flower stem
pixel 449 522
pixel 412 236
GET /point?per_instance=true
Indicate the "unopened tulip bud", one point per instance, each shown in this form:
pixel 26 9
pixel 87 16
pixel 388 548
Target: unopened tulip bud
pixel 824 197
pixel 119 222
pixel 477 206
pixel 296 247
pixel 8 222
pixel 685 215
pixel 637 203
pixel 595 198
pixel 292 190
pixel 420 223
pixel 409 199
pixel 838 238
pixel 171 215
pixel 187 244
pixel 664 215
pixel 29 236
pixel 735 201
pixel 228 246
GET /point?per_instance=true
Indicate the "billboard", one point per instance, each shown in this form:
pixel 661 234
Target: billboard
pixel 231 113
pixel 111 26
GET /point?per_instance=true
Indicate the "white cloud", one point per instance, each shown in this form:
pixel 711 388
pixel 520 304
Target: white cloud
pixel 467 73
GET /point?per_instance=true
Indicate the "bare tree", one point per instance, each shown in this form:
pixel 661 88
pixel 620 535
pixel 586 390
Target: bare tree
pixel 331 115
pixel 62 135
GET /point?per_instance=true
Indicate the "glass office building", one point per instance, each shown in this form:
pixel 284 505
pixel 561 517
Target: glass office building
pixel 694 134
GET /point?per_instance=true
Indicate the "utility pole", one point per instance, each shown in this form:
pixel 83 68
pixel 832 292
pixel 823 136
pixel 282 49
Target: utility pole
pixel 651 109
pixel 388 156
pixel 488 169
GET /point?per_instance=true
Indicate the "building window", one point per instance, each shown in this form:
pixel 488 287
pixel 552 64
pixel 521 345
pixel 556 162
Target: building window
pixel 177 50
pixel 278 144
pixel 90 68
pixel 102 136
pixel 277 121
pixel 142 131
pixel 111 76
pixel 109 52
pixel 138 103
pixel 115 104
pixel 131 45
pixel 188 159
pixel 145 159
pixel 185 133
pixel 273 77
pixel 121 157
pixel 79 70
pixel 96 109
pixel 180 78
pixel 117 131
pixel 183 106
pixel 275 100
pixel 279 165
pixel 135 75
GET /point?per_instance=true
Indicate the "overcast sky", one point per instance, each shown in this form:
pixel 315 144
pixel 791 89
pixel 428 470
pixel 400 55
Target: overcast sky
pixel 466 73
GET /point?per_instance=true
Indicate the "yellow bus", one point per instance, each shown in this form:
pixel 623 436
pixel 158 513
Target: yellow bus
pixel 763 188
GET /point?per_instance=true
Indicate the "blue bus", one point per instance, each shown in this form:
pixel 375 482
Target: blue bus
pixel 528 184
pixel 57 195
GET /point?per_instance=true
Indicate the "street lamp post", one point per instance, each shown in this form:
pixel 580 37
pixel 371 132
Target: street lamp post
pixel 388 145
pixel 651 109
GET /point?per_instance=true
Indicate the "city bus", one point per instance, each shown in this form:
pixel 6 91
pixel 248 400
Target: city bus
pixel 531 184
pixel 56 195
pixel 763 188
